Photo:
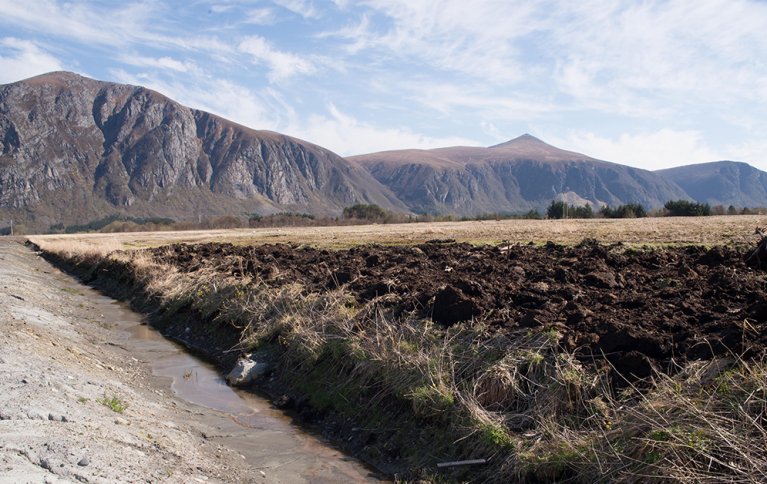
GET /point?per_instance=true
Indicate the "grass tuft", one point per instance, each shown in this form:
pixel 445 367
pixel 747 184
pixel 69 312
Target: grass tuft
pixel 114 403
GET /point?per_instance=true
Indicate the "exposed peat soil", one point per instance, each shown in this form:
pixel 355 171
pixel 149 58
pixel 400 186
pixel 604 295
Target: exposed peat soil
pixel 639 308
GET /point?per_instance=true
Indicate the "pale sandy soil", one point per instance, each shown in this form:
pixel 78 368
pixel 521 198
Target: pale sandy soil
pixel 665 230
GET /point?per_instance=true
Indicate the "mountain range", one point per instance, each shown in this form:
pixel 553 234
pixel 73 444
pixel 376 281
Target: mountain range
pixel 73 149
pixel 521 174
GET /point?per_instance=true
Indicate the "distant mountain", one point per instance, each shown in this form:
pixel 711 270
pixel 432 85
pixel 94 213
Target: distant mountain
pixel 721 183
pixel 73 149
pixel 518 175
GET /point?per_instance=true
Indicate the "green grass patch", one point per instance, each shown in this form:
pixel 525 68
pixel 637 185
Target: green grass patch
pixel 114 403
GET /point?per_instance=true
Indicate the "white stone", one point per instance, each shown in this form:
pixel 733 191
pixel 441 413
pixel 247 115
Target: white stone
pixel 246 371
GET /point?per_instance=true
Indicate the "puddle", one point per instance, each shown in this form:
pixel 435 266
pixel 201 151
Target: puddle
pixel 244 422
pixel 199 382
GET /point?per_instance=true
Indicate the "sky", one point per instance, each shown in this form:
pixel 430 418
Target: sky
pixel 647 83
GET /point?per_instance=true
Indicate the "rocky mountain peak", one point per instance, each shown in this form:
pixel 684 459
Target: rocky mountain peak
pixel 73 149
pixel 525 139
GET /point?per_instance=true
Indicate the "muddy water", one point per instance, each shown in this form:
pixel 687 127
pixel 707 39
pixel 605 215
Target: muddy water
pixel 277 450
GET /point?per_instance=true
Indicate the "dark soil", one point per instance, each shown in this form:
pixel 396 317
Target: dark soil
pixel 638 308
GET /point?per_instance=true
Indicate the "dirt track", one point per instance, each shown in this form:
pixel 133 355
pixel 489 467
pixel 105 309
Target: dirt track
pixel 59 355
pixel 639 308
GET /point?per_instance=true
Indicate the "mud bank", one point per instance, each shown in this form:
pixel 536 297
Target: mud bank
pixel 560 362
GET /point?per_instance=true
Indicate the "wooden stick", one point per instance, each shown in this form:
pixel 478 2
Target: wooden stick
pixel 456 463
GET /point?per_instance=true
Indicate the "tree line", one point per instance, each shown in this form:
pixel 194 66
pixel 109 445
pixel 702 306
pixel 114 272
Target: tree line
pixel 673 208
pixel 372 213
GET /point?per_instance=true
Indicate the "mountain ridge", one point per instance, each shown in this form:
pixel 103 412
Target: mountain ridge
pixel 724 183
pixel 75 149
pixel 520 174
pixel 114 148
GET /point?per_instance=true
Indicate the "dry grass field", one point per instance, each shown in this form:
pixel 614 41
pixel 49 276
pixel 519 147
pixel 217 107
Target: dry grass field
pixel 652 231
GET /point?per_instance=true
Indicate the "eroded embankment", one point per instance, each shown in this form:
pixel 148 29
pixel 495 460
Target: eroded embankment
pixel 549 363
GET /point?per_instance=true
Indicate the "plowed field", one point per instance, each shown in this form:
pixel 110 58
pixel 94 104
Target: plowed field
pixel 638 308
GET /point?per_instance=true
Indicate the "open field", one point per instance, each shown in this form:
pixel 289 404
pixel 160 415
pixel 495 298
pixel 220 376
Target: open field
pixel 575 360
pixel 655 231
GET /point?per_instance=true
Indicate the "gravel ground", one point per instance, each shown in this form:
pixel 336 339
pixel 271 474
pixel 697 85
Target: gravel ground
pixel 58 364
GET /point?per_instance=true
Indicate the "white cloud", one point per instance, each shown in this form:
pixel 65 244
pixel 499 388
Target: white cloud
pixel 79 21
pixel 348 136
pixel 448 98
pixel 492 130
pixel 670 53
pixel 303 8
pixel 281 64
pixel 221 8
pixel 260 16
pixel 649 58
pixel 257 110
pixel 649 150
pixel 161 63
pixel 479 39
pixel 24 59
pixel 752 152
pixel 102 26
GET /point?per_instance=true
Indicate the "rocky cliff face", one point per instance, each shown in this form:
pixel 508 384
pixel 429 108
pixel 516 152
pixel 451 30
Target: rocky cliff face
pixel 721 183
pixel 73 149
pixel 521 174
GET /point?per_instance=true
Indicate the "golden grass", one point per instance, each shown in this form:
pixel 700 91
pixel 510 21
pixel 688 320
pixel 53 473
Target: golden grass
pixel 653 231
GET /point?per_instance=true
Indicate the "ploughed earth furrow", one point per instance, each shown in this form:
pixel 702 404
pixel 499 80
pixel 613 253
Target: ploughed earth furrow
pixel 638 308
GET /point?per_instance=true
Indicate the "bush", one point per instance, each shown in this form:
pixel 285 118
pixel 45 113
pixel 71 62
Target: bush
pixel 629 210
pixel 560 209
pixel 365 212
pixel 283 219
pixel 685 208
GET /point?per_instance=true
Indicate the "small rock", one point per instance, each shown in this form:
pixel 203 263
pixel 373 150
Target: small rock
pixel 83 462
pixel 45 464
pixel 247 370
pixel 121 421
pixel 24 381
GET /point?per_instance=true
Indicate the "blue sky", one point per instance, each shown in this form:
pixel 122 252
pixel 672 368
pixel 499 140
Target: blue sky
pixel 646 83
